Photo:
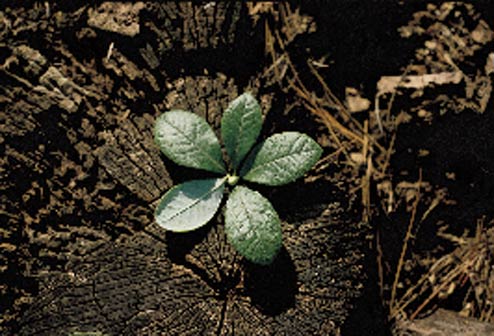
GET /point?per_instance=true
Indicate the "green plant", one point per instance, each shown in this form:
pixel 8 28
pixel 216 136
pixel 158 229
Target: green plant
pixel 251 224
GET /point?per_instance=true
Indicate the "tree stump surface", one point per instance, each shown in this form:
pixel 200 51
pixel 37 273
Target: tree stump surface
pixel 80 251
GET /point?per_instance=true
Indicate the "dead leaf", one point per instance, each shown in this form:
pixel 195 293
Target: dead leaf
pixel 355 102
pixel 389 84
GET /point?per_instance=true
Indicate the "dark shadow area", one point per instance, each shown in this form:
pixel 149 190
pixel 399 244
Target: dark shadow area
pixel 272 288
pixel 486 8
pixel 460 159
pixel 180 244
pixel 299 201
pixel 369 316
pixel 281 118
pixel 180 174
pixel 360 39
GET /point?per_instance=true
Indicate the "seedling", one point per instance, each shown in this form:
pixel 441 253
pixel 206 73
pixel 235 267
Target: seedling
pixel 252 225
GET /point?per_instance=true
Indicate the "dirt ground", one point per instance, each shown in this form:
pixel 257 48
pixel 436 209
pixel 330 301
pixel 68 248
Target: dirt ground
pixel 391 233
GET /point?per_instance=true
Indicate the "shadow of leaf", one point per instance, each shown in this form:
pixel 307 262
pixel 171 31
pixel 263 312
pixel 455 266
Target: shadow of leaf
pixel 180 244
pixel 272 288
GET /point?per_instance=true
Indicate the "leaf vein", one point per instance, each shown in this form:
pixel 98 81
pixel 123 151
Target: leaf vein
pixel 193 144
pixel 195 202
pixel 275 161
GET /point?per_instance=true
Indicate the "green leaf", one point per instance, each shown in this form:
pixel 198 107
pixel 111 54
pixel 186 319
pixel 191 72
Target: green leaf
pixel 281 158
pixel 252 225
pixel 240 126
pixel 190 205
pixel 187 139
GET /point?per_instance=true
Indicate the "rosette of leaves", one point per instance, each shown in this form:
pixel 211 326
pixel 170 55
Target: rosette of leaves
pixel 252 225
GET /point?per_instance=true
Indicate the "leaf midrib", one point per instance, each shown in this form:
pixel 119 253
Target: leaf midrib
pixel 257 240
pixel 247 214
pixel 237 143
pixel 277 159
pixel 196 201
